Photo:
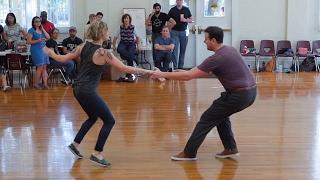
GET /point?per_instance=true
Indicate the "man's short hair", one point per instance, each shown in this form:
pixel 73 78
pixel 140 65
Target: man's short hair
pixel 72 28
pixel 215 32
pixel 43 14
pixel 99 13
pixel 156 5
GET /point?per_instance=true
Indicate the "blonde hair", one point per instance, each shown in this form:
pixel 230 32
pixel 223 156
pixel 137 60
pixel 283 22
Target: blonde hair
pixel 96 29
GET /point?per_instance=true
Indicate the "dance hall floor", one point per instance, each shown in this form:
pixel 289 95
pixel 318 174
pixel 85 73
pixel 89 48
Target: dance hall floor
pixel 278 136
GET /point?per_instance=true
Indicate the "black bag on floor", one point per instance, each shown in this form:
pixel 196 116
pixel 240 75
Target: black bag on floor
pixel 308 64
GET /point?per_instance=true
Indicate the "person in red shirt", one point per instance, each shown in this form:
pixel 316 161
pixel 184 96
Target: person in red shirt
pixel 47 25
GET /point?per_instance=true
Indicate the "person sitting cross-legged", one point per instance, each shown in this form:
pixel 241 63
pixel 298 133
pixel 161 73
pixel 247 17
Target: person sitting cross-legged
pixel 163 46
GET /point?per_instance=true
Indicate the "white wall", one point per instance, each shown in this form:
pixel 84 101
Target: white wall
pixel 303 21
pixel 258 20
pixel 251 19
pixel 275 19
pixel 112 9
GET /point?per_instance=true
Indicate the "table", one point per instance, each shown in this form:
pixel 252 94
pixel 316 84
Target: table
pixel 141 59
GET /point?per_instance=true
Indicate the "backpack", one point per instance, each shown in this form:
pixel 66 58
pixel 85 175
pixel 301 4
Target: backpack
pixel 308 64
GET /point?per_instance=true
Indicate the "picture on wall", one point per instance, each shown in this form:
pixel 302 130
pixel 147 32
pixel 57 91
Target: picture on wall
pixel 214 8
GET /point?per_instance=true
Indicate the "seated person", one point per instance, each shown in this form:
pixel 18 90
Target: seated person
pixel 163 46
pixel 13 31
pixel 127 45
pixel 52 44
pixel 5 86
pixel 72 41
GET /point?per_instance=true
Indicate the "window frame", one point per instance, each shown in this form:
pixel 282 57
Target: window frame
pixel 27 24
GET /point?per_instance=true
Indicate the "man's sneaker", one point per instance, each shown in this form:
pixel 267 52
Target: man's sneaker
pixel 101 162
pixel 227 153
pixel 182 157
pixel 75 151
pixel 121 79
pixel 6 88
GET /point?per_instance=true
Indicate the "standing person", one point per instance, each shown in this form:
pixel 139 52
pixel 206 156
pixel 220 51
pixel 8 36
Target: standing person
pixel 37 36
pixel 157 20
pixel 47 25
pixel 240 92
pixel 128 41
pixel 99 16
pixel 182 16
pixel 92 59
pixel 92 18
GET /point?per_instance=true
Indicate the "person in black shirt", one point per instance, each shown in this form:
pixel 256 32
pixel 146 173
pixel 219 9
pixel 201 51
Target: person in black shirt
pixel 69 66
pixel 3 44
pixel 1 32
pixel 157 20
pixel 182 16
pixel 93 59
pixel 72 41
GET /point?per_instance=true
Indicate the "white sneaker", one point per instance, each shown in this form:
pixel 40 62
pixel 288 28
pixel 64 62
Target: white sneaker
pixel 6 88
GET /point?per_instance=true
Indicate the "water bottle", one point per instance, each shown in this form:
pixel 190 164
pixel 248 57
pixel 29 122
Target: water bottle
pixel 280 68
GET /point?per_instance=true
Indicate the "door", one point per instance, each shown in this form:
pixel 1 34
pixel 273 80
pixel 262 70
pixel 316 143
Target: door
pixel 211 13
pixel 205 13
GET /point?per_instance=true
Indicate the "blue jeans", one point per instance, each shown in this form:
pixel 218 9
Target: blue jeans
pixel 127 52
pixel 69 67
pixel 180 45
pixel 162 60
pixel 95 107
pixel 154 37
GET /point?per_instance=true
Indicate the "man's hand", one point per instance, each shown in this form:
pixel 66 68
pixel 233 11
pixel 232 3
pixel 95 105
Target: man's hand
pixel 179 70
pixel 156 74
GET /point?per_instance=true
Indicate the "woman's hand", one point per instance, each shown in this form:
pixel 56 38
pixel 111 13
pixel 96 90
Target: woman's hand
pixel 156 74
pixel 48 51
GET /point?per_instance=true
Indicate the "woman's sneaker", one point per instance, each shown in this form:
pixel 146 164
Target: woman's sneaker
pixel 75 151
pixel 6 88
pixel 101 162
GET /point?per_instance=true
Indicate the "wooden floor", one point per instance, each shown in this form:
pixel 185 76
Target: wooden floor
pixel 278 136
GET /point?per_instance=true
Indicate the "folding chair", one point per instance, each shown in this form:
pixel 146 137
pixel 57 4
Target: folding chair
pixel 250 45
pixel 316 53
pixel 266 50
pixel 16 62
pixel 300 45
pixel 283 46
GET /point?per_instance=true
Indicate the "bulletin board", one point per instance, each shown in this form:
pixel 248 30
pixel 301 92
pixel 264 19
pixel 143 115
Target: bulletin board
pixel 138 16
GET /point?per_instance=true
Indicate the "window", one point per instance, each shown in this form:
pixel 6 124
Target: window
pixel 24 10
pixel 58 11
pixel 214 8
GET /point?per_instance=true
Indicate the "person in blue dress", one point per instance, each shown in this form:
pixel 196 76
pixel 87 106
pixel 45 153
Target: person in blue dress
pixel 37 37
